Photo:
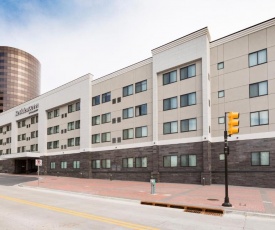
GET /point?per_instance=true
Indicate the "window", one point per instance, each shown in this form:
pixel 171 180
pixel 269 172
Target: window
pixel 52 165
pixel 77 124
pixel 70 126
pixel 34 147
pixel 128 134
pixel 50 130
pixel 56 144
pixel 141 162
pixel 96 100
pixel 50 115
pixel 19 137
pixel 106 137
pixel 23 149
pixel 56 113
pixel 128 162
pixel 221 120
pixel 141 110
pixel 70 142
pixel 8 151
pixel 128 113
pixel 77 106
pixel 96 120
pixel 259 118
pixel 188 125
pixel 63 164
pixel 258 89
pixel 56 129
pixel 23 137
pixel 106 97
pixel 220 65
pixel 170 127
pixel 127 90
pixel 77 141
pixel 32 120
pixel 23 124
pixel 96 164
pixel 187 99
pixel 49 145
pixel 71 108
pixel 187 72
pixel 95 138
pixel 106 118
pixel 260 158
pixel 33 134
pixel 188 160
pixel 170 161
pixel 170 103
pixel 169 78
pixel 258 58
pixel 106 163
pixel 141 86
pixel 221 94
pixel 76 164
pixel 141 132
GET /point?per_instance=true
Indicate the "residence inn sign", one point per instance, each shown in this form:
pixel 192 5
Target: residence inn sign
pixel 30 109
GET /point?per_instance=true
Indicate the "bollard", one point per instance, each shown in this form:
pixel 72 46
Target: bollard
pixel 203 179
pixel 153 186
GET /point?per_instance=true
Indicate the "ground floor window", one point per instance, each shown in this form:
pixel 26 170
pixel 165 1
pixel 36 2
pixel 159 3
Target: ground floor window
pixel 106 163
pixel 170 161
pixel 188 160
pixel 52 165
pixel 64 164
pixel 96 164
pixel 141 162
pixel 260 158
pixel 128 162
pixel 76 164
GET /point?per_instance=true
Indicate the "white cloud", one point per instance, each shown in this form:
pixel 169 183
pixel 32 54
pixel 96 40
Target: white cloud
pixel 103 36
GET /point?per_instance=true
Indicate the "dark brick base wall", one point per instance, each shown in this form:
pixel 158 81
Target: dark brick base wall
pixel 209 169
pixel 241 172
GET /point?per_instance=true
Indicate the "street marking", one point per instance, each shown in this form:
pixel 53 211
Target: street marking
pixel 81 214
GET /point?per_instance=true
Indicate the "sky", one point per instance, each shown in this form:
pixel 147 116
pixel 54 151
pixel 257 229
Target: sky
pixel 71 38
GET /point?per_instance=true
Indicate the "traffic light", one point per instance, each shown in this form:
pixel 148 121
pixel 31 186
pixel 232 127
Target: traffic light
pixel 233 122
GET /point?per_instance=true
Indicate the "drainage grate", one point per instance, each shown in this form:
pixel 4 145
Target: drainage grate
pixel 191 209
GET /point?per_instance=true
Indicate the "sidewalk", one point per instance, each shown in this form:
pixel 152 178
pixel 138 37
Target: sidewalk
pixel 244 199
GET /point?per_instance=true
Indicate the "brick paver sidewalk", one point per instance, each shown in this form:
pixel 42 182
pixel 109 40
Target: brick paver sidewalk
pixel 248 199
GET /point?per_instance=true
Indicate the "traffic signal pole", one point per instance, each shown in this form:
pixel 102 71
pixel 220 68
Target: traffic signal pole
pixel 226 152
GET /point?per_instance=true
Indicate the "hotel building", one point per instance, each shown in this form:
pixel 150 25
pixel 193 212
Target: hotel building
pixel 160 118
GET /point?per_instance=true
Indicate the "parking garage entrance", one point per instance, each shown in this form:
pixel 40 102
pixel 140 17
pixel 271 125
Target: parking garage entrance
pixel 25 166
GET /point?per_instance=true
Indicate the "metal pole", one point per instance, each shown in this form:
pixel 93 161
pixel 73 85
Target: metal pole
pixel 38 175
pixel 226 199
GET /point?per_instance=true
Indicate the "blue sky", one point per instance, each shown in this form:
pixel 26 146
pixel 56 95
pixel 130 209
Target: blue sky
pixel 74 37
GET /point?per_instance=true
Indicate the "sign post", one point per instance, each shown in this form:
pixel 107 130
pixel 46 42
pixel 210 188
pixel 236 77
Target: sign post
pixel 38 163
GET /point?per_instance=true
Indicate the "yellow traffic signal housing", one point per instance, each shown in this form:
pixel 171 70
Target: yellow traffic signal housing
pixel 233 122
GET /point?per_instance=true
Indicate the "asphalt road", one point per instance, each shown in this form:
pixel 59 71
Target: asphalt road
pixel 10 180
pixel 37 208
